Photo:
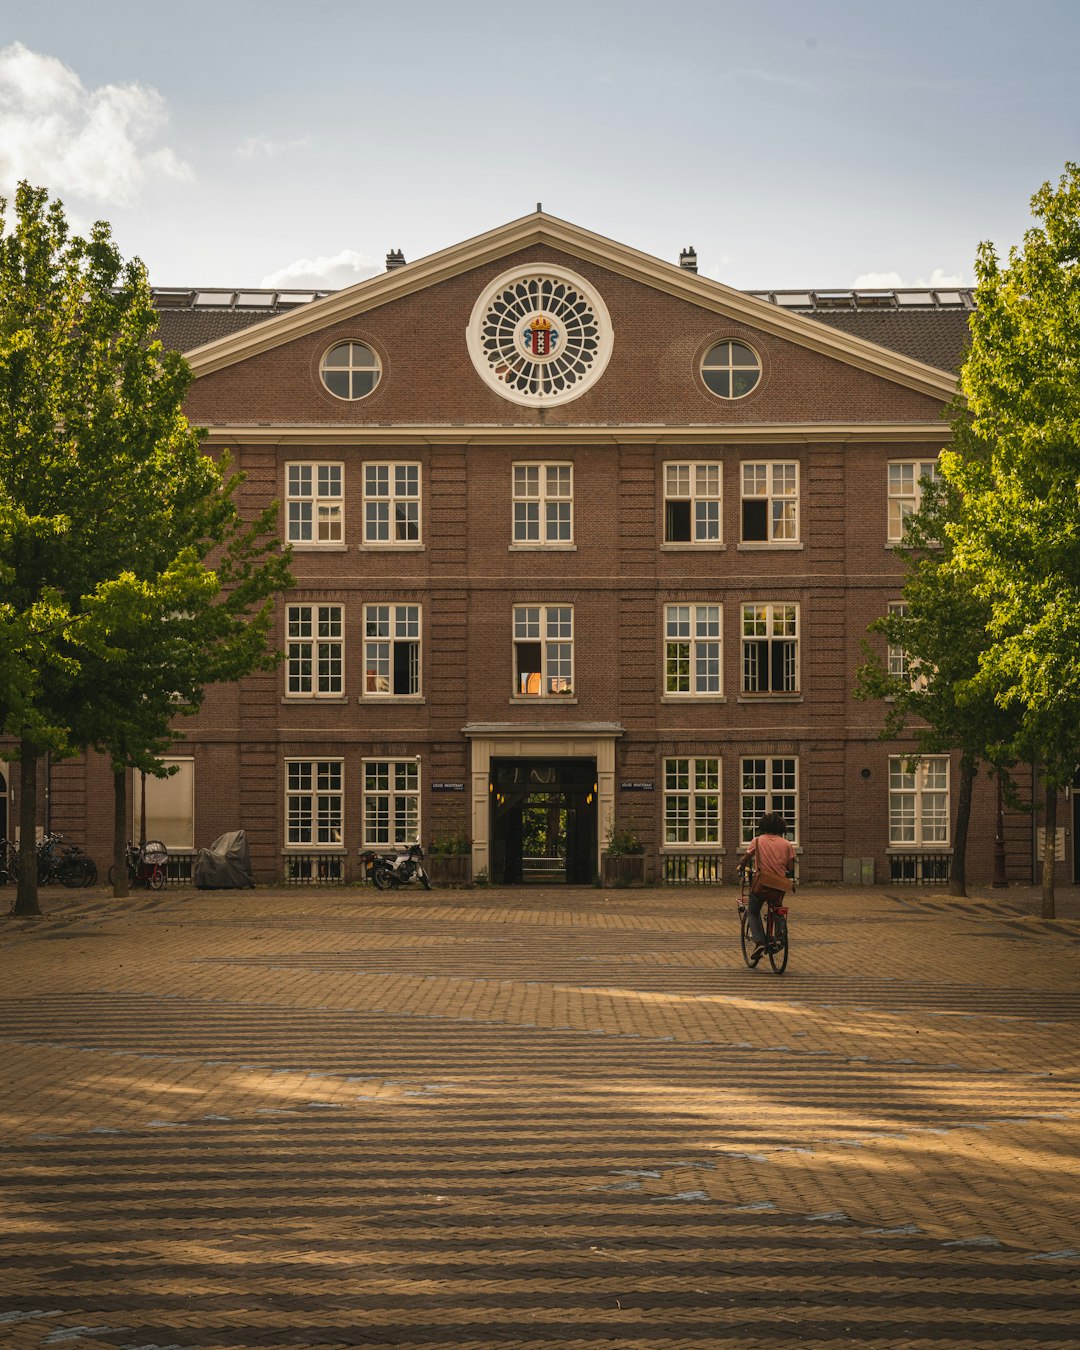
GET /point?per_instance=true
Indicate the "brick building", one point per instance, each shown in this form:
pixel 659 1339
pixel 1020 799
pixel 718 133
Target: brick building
pixel 582 540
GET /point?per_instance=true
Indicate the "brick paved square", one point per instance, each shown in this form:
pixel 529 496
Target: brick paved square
pixel 538 1117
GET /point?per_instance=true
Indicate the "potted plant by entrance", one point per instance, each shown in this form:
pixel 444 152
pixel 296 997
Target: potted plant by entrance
pixel 623 861
pixel 450 860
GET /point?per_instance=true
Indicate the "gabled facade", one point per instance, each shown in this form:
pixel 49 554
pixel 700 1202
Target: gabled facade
pixel 583 542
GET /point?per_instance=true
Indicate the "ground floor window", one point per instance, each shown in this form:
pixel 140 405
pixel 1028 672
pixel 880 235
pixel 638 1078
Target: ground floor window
pixel 391 802
pixel 314 793
pixel 919 800
pixel 692 800
pixel 769 784
pixel 170 805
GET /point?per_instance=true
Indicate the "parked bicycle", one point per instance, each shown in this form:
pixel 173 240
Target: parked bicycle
pixel 9 861
pixel 145 866
pixel 72 867
pixel 775 925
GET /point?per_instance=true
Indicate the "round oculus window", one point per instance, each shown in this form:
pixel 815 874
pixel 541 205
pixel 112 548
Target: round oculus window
pixel 731 370
pixel 350 370
pixel 540 336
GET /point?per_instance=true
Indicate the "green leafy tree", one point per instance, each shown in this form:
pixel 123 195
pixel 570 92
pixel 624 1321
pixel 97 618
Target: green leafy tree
pixel 1018 541
pixel 941 631
pixel 109 510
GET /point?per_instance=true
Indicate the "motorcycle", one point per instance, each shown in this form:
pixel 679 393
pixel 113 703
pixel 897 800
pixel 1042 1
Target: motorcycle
pixel 389 871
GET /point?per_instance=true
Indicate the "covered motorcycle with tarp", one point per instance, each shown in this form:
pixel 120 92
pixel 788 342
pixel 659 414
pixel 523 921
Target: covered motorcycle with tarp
pixel 225 864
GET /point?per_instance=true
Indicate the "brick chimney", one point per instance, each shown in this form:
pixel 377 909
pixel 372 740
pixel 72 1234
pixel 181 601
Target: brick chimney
pixel 688 259
pixel 395 258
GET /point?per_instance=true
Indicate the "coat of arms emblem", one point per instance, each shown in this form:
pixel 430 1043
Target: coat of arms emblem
pixel 539 336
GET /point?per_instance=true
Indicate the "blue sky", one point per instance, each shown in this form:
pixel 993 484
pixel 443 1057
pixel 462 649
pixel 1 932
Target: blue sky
pixel 793 144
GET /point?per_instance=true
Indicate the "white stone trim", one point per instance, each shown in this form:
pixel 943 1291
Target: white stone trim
pixel 539 228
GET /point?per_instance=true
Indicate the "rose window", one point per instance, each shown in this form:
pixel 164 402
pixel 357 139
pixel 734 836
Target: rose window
pixel 540 336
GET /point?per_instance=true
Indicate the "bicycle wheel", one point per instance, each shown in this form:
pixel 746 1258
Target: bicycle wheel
pixel 748 943
pixel 156 878
pixel 778 943
pixel 71 874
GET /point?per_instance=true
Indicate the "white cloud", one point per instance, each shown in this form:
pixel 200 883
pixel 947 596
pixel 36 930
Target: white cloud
pixel 343 269
pixel 67 138
pixel 887 281
pixel 261 147
pixel 879 281
pixel 939 277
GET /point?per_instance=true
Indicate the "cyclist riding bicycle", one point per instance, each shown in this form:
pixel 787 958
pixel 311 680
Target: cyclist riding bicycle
pixel 773 860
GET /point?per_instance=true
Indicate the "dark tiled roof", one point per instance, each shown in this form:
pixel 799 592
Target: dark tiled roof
pixel 182 329
pixel 938 337
pixel 934 335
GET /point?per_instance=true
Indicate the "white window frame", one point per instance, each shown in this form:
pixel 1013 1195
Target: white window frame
pixel 315 651
pixel 775 623
pixel 776 483
pixel 896 657
pixel 551 628
pixel 389 624
pixel 542 508
pixel 315 511
pixel 693 650
pixel 358 372
pixel 390 809
pixel 693 801
pixel 393 509
pixel 919 802
pixel 721 367
pixel 904 492
pixel 768 783
pixel 322 788
pixel 700 484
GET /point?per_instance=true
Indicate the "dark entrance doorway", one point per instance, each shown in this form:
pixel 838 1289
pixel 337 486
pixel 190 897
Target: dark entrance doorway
pixel 543 821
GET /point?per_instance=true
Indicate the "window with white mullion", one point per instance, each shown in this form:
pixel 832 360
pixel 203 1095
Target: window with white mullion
pixel 391 504
pixel 544 651
pixel 391 803
pixel 770 502
pixel 906 478
pixel 314 503
pixel 692 801
pixel 770 648
pixel 391 650
pixel 919 801
pixel 769 784
pixel 313 803
pixel 692 503
pixel 315 656
pixel 692 651
pixel 543 503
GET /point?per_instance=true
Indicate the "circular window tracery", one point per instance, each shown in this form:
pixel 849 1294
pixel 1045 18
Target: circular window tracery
pixel 731 369
pixel 350 370
pixel 540 336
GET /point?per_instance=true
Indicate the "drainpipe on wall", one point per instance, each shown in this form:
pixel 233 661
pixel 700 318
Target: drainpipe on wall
pixel 48 792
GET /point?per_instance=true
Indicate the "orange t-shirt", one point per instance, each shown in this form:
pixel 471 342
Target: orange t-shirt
pixel 774 852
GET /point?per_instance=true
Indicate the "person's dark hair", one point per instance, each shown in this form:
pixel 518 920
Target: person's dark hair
pixel 773 823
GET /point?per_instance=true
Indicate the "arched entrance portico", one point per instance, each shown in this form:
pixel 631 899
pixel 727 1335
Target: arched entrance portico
pixel 556 767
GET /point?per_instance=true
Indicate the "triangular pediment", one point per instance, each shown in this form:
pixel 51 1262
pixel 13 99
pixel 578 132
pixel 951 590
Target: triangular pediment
pixel 540 228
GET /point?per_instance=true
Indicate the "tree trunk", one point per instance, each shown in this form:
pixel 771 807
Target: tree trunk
pixel 119 865
pixel 958 871
pixel 1049 853
pixel 26 897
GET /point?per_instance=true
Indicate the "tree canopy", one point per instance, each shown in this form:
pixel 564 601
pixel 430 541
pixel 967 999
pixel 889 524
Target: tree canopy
pixel 1017 542
pixel 128 579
